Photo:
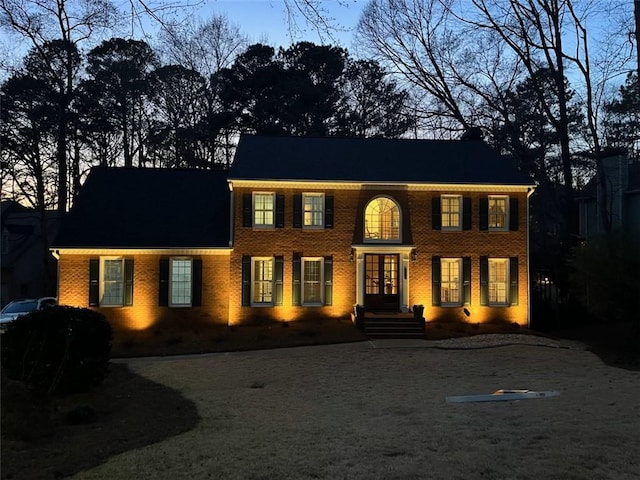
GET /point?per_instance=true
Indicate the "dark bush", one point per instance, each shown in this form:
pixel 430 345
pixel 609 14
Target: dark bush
pixel 58 350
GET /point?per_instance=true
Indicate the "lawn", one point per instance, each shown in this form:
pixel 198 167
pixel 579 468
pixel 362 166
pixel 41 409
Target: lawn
pixel 69 434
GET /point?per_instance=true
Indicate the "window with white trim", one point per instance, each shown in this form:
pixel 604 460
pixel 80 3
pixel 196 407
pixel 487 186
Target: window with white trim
pixel 112 282
pixel 450 281
pixel 312 285
pixel 382 220
pixel 313 210
pixel 498 283
pixel 262 281
pixel 498 212
pixel 263 209
pixel 180 286
pixel 451 210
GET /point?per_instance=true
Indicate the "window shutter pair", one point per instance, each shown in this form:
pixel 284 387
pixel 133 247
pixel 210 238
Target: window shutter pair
pixel 513 213
pixel 436 213
pixel 513 281
pixel 297 211
pixel 297 279
pixel 436 275
pixel 247 211
pixel 278 280
pixel 94 282
pixel 196 283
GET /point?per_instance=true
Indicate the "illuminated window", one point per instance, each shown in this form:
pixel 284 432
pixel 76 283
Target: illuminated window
pixel 312 281
pixel 313 210
pixel 262 281
pixel 450 285
pixel 451 212
pixel 181 282
pixel 382 220
pixel 498 212
pixel 112 285
pixel 263 209
pixel 498 281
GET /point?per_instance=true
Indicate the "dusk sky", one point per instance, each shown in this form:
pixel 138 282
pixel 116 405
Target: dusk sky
pixel 266 20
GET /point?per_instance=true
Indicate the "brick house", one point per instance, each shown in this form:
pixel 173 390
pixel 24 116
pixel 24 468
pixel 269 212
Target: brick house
pixel 304 227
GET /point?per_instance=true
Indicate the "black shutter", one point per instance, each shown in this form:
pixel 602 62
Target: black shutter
pixel 328 211
pixel 513 213
pixel 513 280
pixel 466 280
pixel 246 280
pixel 484 213
pixel 435 280
pixel 436 214
pixel 128 282
pixel 328 280
pixel 484 280
pixel 297 270
pixel 247 209
pixel 279 211
pixel 163 290
pixel 94 282
pixel 297 211
pixel 278 277
pixel 466 213
pixel 196 283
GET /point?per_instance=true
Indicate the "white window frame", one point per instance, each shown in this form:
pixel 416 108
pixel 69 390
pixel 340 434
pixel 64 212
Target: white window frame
pixel 311 226
pixel 255 303
pixel 171 282
pixel 303 282
pixel 103 289
pixel 448 261
pixel 397 239
pixel 254 210
pixel 448 213
pixel 493 284
pixel 505 214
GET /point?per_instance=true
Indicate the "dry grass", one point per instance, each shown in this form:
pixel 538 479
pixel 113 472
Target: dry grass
pixel 132 410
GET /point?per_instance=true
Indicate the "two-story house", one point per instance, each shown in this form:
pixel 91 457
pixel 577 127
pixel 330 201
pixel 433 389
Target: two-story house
pixel 304 227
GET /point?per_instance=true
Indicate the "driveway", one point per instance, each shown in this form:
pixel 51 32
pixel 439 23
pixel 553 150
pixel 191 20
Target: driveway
pixel 378 411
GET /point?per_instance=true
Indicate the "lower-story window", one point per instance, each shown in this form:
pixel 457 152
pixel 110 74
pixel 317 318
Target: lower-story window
pixel 262 284
pixel 110 282
pixel 312 281
pixel 450 269
pixel 498 281
pixel 181 282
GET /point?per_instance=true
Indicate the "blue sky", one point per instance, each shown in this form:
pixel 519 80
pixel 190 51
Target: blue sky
pixel 266 20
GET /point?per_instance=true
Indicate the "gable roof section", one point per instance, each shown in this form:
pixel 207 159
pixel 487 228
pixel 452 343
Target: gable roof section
pixel 372 160
pixel 149 208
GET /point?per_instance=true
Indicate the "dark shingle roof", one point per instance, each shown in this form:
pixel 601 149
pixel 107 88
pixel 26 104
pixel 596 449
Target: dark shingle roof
pixel 372 160
pixel 149 208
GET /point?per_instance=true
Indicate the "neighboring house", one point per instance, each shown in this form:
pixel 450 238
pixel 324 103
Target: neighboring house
pixel 304 227
pixel 622 181
pixel 28 268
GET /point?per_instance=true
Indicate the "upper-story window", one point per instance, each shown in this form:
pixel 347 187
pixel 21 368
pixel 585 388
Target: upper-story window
pixel 382 220
pixel 263 209
pixel 313 210
pixel 451 212
pixel 498 213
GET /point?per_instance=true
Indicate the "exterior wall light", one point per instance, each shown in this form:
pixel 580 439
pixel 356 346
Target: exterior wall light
pixel 414 255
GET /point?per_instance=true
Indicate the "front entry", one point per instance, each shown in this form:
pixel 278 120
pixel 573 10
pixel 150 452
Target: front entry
pixel 381 282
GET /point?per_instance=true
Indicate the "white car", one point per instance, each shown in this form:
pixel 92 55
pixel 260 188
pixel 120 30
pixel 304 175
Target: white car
pixel 18 308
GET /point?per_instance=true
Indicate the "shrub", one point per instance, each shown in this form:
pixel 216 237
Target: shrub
pixel 58 350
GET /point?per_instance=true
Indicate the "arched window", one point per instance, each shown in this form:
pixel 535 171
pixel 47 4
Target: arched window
pixel 382 220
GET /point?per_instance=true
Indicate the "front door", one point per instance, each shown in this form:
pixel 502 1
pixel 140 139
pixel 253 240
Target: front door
pixel 381 282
